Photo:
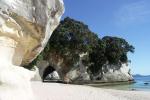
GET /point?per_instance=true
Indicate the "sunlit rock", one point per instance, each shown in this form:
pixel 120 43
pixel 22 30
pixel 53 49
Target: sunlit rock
pixel 30 23
pixel 68 73
pixel 79 73
pixel 37 76
pixel 117 73
pixel 25 27
pixel 53 76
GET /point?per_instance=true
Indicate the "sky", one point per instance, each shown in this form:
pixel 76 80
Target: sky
pixel 128 19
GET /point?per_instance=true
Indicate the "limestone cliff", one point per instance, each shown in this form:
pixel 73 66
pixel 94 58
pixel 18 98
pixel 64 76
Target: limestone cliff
pixel 25 27
pixel 114 73
pixel 79 73
pixel 30 23
pixel 68 72
pixel 117 73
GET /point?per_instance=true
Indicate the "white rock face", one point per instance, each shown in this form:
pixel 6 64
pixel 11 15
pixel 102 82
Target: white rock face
pixel 79 73
pixel 25 27
pixel 37 76
pixel 14 80
pixel 116 73
pixel 30 23
pixel 76 75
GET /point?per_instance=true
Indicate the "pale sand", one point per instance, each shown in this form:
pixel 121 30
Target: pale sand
pixel 56 91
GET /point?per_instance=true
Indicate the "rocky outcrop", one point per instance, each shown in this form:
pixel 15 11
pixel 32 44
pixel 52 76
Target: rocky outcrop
pixel 116 73
pixel 67 72
pixel 78 73
pixel 110 73
pixel 42 65
pixel 30 23
pixel 25 27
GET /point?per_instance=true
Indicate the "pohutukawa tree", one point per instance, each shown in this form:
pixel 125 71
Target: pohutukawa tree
pixel 72 38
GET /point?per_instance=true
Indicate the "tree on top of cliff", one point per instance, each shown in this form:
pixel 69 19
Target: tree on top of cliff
pixel 97 57
pixel 111 50
pixel 117 49
pixel 72 34
pixel 70 39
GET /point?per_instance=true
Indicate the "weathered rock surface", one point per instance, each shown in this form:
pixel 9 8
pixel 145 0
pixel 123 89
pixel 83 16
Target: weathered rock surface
pixel 78 73
pixel 66 72
pixel 30 23
pixel 42 65
pixel 25 27
pixel 116 73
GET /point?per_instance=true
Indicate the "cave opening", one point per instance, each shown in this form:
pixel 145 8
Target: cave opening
pixel 48 73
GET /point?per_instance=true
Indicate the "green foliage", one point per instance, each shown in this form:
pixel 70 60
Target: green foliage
pixel 117 49
pixel 72 38
pixel 97 57
pixel 72 34
pixel 110 49
pixel 124 58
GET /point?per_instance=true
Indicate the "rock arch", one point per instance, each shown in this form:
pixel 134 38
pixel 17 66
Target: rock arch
pixel 48 70
pixel 45 69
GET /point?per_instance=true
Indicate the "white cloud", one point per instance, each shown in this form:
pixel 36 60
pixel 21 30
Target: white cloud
pixel 133 13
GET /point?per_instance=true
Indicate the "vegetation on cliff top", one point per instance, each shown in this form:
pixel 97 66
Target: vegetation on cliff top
pixel 72 38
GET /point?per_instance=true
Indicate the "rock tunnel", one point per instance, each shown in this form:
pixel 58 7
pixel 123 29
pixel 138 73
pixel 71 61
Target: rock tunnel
pixel 47 72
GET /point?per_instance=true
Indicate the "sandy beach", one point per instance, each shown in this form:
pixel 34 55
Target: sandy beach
pixel 57 91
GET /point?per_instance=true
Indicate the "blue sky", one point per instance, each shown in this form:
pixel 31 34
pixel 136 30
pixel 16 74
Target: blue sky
pixel 129 19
